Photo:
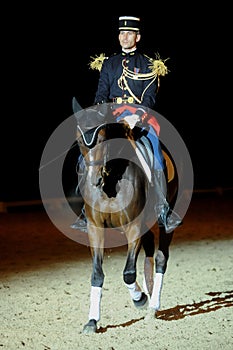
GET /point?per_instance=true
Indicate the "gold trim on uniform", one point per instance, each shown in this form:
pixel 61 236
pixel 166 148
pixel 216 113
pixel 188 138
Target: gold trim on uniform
pixel 120 100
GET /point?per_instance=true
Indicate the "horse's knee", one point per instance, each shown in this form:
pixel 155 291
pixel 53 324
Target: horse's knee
pixel 161 262
pixel 129 277
pixel 97 280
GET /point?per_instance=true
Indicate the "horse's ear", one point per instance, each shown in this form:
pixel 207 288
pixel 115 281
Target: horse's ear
pixel 76 106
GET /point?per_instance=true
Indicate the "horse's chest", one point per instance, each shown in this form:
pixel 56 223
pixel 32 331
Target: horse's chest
pixel 121 208
pixel 104 203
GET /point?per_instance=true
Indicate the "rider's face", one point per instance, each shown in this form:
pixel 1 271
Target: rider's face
pixel 128 39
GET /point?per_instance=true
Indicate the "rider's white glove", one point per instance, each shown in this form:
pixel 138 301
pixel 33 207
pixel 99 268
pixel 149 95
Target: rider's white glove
pixel 132 120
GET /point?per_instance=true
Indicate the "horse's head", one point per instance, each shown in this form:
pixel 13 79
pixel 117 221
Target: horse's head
pixel 95 125
pixel 90 124
pixel 91 130
pixel 90 127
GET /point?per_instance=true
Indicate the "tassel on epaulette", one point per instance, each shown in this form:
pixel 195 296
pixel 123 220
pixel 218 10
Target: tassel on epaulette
pixel 158 66
pixel 97 62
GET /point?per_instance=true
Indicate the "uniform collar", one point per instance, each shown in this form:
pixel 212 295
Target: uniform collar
pixel 132 53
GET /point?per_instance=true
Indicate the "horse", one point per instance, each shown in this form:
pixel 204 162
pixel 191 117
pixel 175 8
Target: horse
pixel 115 189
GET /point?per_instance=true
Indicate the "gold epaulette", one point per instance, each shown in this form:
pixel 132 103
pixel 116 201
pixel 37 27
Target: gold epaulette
pixel 97 61
pixel 158 65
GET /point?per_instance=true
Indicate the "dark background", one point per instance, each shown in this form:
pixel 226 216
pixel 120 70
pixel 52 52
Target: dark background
pixel 46 52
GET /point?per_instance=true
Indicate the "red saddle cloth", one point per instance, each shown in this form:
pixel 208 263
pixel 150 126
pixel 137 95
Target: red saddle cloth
pixel 149 118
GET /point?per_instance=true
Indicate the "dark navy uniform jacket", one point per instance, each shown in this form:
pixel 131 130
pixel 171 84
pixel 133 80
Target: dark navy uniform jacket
pixel 111 71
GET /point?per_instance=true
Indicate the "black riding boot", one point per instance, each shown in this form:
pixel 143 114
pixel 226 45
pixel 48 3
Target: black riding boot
pixel 81 222
pixel 167 218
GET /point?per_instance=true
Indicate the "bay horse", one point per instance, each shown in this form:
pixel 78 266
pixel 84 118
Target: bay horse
pixel 115 191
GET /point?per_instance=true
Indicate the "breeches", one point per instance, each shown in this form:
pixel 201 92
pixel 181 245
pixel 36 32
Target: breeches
pixel 153 137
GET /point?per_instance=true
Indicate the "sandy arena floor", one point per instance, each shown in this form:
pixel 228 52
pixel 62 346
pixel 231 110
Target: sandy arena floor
pixel 45 284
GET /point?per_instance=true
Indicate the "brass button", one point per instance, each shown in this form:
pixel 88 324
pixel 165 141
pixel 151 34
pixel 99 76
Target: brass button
pixel 119 100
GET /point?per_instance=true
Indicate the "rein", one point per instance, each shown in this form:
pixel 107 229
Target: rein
pixel 95 162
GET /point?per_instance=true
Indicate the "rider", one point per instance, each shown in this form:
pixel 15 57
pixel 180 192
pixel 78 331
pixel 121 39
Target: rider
pixel 130 78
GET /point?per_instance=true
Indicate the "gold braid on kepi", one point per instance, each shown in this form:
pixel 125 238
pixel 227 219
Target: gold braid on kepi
pixel 97 62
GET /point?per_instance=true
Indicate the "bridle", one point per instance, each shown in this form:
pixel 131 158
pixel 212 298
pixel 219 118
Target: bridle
pixel 91 143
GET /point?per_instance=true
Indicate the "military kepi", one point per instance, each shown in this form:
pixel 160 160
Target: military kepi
pixel 129 23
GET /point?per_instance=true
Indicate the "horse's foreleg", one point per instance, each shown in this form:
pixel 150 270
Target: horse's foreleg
pixel 129 274
pixel 148 244
pixel 161 260
pixel 97 280
pixel 148 278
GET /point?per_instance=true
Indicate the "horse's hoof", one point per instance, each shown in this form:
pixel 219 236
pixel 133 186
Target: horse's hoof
pixel 90 327
pixel 141 302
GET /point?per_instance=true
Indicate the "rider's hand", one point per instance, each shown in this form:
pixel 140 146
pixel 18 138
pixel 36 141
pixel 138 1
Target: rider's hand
pixel 132 120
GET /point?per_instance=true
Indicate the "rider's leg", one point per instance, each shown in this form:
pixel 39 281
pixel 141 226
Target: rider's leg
pixel 166 216
pixel 81 221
